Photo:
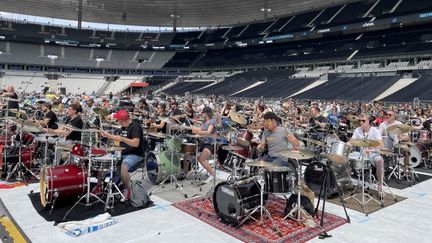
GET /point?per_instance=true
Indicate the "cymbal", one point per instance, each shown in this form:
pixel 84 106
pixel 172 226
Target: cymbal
pixel 399 128
pixel 31 128
pixel 113 149
pixel 214 136
pixel 255 126
pixel 237 118
pixel 91 130
pixel 385 152
pixel 157 134
pixel 66 147
pixel 69 127
pixel 352 118
pixel 297 154
pixel 364 142
pixel 111 125
pixel 260 163
pixel 12 119
pixel 8 99
pixel 310 140
pixel 22 112
pixel 47 135
pixel 231 147
pixel 101 111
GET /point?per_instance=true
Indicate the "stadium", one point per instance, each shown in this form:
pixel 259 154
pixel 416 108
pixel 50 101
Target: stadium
pixel 215 121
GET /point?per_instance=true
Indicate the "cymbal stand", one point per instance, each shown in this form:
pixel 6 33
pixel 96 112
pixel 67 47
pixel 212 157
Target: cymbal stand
pixel 396 170
pixel 263 210
pixel 324 185
pixel 210 192
pixel 365 198
pixel 175 184
pixel 88 194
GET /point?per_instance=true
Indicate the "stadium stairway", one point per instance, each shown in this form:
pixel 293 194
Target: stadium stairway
pixel 402 83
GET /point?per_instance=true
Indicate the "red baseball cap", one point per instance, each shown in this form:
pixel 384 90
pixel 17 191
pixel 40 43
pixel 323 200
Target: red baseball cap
pixel 121 115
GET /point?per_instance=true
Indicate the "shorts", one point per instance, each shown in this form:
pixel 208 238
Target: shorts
pixel 131 160
pixel 208 146
pixel 373 157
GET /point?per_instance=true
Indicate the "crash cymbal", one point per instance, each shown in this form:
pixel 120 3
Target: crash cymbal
pixel 231 147
pixel 101 111
pixel 260 163
pixel 68 127
pixel 255 126
pixel 310 140
pixel 352 118
pixel 399 128
pixel 113 149
pixel 364 142
pixel 22 112
pixel 8 99
pixel 157 134
pixel 237 118
pixel 297 154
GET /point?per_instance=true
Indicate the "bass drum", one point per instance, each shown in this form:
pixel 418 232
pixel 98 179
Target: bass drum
pixel 417 153
pixel 314 177
pixel 62 182
pixel 231 201
pixel 160 165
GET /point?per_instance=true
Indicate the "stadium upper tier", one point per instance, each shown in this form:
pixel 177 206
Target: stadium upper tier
pixel 346 32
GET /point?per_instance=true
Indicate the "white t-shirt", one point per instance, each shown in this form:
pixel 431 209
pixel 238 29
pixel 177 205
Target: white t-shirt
pixel 383 129
pixel 373 134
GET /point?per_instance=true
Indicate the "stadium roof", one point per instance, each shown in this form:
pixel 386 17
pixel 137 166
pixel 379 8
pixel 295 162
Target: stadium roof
pixel 192 13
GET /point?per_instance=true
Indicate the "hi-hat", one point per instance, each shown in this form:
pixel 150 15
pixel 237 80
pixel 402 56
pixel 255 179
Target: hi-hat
pixel 352 118
pixel 364 142
pixel 237 118
pixel 69 127
pixel 231 147
pixel 31 128
pixel 260 163
pixel 12 119
pixel 399 128
pixel 22 112
pixel 101 111
pixel 255 126
pixel 157 134
pixel 8 99
pixel 113 149
pixel 310 140
pixel 297 154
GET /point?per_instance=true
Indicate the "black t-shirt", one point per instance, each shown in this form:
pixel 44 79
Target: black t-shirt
pixel 134 130
pixel 53 119
pixel 427 124
pixel 158 121
pixel 312 120
pixel 78 123
pixel 13 104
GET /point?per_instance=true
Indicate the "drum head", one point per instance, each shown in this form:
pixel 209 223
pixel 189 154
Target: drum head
pixel 159 166
pixel 43 186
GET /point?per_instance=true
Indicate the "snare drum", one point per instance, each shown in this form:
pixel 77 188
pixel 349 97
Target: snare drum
pixel 278 180
pixel 357 163
pixel 160 165
pixel 103 163
pixel 339 152
pixel 62 182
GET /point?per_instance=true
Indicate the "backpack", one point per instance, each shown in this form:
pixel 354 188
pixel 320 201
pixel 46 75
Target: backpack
pixel 139 197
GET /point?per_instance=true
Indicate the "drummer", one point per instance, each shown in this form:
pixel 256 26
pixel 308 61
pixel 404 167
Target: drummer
pixel 50 118
pixel 397 138
pixel 277 139
pixel 366 131
pixel 132 139
pixel 10 93
pixel 206 144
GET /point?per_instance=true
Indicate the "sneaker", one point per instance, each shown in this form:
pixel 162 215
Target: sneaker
pixel 96 190
pixel 379 187
pixel 209 180
pixel 127 195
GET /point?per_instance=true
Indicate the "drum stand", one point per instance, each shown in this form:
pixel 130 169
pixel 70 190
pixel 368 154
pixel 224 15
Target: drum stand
pixel 396 172
pixel 88 194
pixel 175 184
pixel 324 185
pixel 20 168
pixel 263 210
pixel 111 184
pixel 365 198
pixel 297 210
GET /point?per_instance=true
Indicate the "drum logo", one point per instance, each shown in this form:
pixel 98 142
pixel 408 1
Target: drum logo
pixel 228 191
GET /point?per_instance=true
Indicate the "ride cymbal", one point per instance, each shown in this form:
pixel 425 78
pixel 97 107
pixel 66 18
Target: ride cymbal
pixel 399 128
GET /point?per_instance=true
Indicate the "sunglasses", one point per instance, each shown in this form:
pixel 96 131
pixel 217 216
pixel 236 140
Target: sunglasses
pixel 363 120
pixel 389 114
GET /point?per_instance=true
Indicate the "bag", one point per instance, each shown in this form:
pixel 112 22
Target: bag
pixel 304 201
pixel 139 197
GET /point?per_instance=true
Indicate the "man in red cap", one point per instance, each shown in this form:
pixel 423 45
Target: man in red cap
pixel 132 139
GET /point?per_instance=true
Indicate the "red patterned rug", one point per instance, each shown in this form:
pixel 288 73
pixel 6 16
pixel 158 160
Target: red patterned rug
pixel 252 231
